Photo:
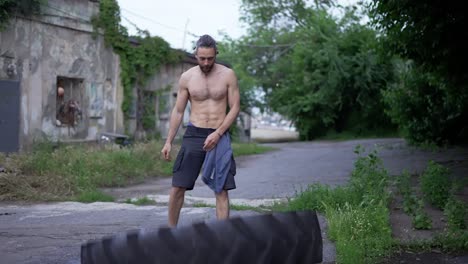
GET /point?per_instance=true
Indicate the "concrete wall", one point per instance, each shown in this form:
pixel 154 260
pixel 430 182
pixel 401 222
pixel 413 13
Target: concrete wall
pixel 60 43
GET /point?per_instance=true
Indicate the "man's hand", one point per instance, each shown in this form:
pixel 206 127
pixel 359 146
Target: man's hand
pixel 166 151
pixel 211 141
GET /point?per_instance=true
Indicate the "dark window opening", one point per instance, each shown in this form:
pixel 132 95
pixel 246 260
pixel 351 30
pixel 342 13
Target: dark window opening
pixel 149 110
pixel 69 94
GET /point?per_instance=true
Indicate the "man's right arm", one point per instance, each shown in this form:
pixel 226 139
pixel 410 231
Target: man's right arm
pixel 176 115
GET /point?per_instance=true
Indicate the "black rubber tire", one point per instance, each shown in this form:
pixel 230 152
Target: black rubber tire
pixel 292 237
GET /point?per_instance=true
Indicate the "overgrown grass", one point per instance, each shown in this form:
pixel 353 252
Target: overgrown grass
pixel 436 184
pixel 357 213
pixel 242 149
pixel 140 201
pixel 440 191
pixel 90 196
pixel 54 171
pixel 244 207
pixel 412 204
pixel 456 212
pixel 76 171
pixel 202 205
pixel 452 241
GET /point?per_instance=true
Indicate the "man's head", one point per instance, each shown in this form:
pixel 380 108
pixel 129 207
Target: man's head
pixel 205 52
pixel 60 92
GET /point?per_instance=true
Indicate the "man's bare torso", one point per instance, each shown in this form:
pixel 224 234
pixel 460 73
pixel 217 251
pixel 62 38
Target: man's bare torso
pixel 208 95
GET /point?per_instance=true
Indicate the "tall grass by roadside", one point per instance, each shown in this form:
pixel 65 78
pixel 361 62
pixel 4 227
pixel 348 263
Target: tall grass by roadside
pixel 241 149
pixel 357 213
pixel 51 172
pixel 58 172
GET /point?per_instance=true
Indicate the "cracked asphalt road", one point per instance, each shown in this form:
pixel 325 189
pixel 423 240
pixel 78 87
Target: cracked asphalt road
pixel 54 232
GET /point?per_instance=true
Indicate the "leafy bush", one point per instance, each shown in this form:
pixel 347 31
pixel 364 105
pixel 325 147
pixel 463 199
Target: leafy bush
pixel 456 213
pixel 410 204
pixel 430 102
pixel 403 183
pixel 435 184
pixel 452 241
pixel 420 219
pixel 425 108
pixel 369 178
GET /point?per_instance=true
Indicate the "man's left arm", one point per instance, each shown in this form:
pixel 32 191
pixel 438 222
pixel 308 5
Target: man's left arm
pixel 234 103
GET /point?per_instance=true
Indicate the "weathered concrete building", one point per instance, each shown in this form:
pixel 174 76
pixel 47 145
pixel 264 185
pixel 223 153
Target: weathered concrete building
pixel 56 80
pixel 61 83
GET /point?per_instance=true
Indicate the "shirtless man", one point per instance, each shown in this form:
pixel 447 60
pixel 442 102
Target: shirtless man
pixel 209 87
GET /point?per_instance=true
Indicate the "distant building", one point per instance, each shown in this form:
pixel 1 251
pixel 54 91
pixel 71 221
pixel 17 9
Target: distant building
pixel 271 120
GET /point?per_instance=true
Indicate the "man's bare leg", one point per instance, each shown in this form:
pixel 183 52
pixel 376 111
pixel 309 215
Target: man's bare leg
pixel 176 200
pixel 222 205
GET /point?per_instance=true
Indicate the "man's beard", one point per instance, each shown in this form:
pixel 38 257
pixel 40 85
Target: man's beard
pixel 206 69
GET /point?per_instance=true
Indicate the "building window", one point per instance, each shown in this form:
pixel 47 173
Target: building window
pixel 149 110
pixel 164 106
pixel 69 94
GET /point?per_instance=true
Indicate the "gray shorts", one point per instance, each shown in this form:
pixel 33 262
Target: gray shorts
pixel 190 159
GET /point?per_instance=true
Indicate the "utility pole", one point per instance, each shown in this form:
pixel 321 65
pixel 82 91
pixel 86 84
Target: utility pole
pixel 185 33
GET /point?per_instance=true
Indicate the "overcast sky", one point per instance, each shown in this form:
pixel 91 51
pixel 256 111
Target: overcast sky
pixel 177 21
pixel 169 19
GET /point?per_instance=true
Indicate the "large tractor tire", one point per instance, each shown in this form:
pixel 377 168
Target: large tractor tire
pixel 292 237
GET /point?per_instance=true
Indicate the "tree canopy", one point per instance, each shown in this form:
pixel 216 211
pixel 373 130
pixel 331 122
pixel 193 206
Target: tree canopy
pixel 323 73
pixel 320 66
pixel 430 100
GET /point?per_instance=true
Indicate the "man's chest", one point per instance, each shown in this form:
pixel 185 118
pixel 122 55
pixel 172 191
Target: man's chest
pixel 207 88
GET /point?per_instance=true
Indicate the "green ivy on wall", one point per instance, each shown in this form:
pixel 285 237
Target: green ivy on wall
pixel 140 58
pixel 11 8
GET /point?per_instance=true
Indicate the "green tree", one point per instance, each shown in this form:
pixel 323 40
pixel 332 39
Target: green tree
pixel 430 100
pixel 321 72
pixel 231 52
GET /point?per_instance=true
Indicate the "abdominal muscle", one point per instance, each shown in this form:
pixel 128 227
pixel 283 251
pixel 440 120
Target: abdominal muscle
pixel 208 113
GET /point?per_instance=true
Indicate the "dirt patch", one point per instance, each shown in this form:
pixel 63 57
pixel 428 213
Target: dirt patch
pixel 150 186
pixel 406 257
pixel 404 232
pixel 401 222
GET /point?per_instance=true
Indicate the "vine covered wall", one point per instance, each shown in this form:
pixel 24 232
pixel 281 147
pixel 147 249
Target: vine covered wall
pixel 12 8
pixel 141 56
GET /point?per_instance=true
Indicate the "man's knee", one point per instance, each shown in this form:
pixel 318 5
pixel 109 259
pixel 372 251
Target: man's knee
pixel 178 192
pixel 222 196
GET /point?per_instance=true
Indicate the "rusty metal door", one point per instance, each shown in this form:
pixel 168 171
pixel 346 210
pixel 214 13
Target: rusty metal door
pixel 9 115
